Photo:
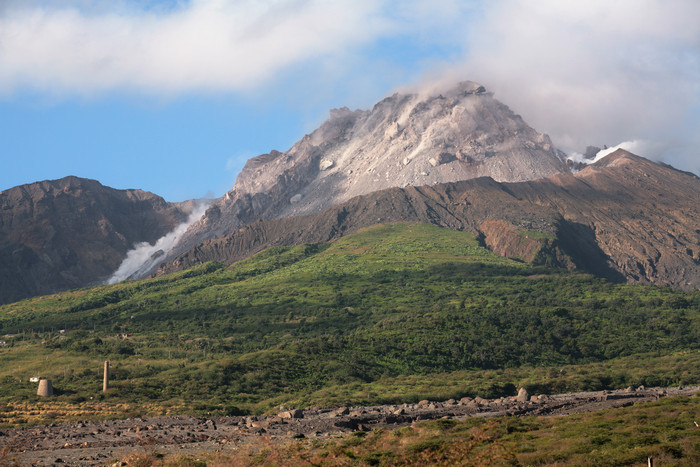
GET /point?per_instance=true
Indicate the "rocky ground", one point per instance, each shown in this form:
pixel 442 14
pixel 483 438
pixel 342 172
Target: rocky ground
pixel 106 442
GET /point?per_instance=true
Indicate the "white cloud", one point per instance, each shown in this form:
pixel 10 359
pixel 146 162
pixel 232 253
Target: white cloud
pixel 589 72
pixel 596 72
pixel 201 45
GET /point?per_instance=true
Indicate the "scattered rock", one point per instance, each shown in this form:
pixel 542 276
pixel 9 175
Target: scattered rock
pixel 340 412
pixel 45 442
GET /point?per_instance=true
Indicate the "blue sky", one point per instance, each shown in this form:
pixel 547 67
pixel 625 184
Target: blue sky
pixel 174 96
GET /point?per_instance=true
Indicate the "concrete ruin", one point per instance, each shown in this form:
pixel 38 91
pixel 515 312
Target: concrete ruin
pixel 45 388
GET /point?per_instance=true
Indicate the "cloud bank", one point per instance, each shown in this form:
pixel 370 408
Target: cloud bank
pixel 588 73
pixel 596 72
pixel 85 47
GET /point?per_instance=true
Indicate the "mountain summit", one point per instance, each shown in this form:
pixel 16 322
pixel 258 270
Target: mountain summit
pixel 405 140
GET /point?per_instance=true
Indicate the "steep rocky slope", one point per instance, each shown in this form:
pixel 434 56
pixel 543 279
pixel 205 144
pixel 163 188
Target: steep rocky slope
pixel 645 217
pixel 405 140
pixel 623 218
pixel 68 233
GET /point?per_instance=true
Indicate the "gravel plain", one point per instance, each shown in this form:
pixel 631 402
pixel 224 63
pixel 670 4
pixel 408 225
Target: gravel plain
pixel 88 443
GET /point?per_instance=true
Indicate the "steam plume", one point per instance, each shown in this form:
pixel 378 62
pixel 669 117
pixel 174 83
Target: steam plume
pixel 144 255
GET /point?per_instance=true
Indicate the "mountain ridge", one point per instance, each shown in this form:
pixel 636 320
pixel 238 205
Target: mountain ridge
pixel 71 232
pixel 592 220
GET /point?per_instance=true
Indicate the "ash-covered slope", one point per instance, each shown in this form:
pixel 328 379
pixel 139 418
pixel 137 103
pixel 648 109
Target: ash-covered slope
pixel 645 216
pixel 61 234
pixel 623 218
pixel 405 140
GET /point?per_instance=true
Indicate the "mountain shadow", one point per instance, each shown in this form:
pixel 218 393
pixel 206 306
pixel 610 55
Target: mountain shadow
pixel 578 242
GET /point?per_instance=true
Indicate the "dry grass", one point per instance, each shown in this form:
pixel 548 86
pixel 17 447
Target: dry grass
pixel 52 411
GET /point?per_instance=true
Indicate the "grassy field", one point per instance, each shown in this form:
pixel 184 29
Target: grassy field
pixel 394 313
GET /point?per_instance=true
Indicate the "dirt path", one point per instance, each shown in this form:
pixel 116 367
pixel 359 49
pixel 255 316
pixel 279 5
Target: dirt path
pixel 103 443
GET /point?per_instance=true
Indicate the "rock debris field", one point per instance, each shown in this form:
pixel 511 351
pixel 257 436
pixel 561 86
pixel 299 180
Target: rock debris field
pixel 106 442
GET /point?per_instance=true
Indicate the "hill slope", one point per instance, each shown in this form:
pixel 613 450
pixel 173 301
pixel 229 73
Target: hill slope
pixel 62 234
pixel 386 305
pixel 623 218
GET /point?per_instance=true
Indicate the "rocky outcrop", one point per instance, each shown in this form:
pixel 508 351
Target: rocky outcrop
pixel 624 218
pixel 510 241
pixel 404 140
pixel 61 234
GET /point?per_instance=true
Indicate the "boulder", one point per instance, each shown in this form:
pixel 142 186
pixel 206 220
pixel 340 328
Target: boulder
pixel 294 413
pixel 523 395
pixel 392 131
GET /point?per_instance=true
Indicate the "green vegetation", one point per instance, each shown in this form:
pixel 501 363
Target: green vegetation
pixel 392 313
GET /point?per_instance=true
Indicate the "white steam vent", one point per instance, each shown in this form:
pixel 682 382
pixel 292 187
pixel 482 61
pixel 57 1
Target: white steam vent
pixel 144 255
pixel 639 147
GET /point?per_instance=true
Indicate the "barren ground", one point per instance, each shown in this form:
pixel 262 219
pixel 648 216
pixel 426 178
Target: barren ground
pixel 105 442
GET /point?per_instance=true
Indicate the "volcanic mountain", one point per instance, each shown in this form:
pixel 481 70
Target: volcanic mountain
pixel 68 233
pixel 624 218
pixel 459 159
pixel 405 140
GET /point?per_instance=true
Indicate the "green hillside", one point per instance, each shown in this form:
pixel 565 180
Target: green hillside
pixel 393 312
